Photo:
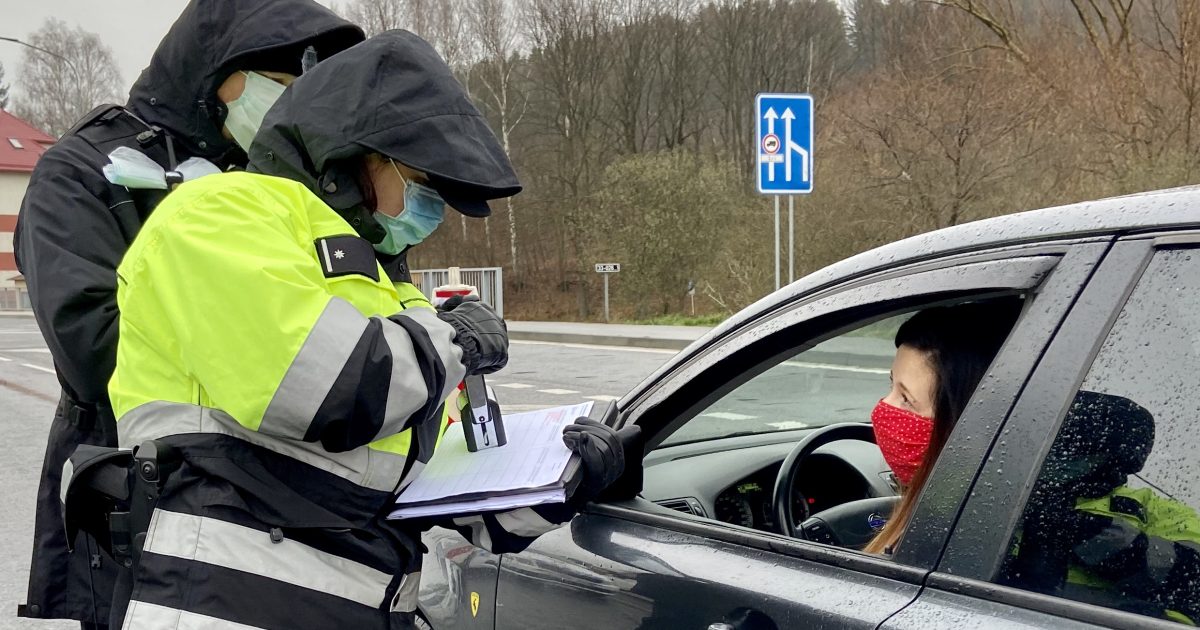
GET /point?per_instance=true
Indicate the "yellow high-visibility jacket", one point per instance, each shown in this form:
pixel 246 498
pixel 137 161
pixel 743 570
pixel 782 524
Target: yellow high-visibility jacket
pixel 251 309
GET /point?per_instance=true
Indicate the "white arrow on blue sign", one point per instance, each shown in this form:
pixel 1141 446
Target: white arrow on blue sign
pixel 785 143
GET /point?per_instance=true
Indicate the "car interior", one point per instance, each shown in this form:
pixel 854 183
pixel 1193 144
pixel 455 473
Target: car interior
pixel 786 447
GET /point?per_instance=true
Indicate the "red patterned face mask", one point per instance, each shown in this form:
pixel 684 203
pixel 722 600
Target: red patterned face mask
pixel 903 437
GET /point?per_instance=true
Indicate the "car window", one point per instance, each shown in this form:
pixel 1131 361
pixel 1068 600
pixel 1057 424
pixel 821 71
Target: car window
pixel 839 380
pixel 1112 519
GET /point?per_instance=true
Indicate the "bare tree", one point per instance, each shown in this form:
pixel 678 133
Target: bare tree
pixel 943 143
pixel 73 73
pixel 3 89
pixel 683 81
pixel 376 16
pixel 1176 41
pixel 492 25
pixel 570 67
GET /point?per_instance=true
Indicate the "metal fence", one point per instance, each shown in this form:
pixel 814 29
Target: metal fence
pixel 14 299
pixel 489 281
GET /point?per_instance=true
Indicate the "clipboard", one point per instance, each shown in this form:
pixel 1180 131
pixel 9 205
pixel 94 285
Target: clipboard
pixel 457 481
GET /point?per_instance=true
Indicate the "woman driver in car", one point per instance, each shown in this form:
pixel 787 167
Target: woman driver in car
pixel 941 355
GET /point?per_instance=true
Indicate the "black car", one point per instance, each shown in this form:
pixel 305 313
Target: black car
pixel 761 481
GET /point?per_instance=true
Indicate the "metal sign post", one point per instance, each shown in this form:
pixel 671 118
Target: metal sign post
pixel 607 269
pixel 776 242
pixel 791 152
pixel 791 239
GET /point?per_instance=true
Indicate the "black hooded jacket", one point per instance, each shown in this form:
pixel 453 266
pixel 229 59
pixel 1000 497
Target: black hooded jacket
pixel 74 227
pixel 419 116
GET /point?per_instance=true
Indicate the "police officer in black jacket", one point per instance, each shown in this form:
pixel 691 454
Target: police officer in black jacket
pixel 74 226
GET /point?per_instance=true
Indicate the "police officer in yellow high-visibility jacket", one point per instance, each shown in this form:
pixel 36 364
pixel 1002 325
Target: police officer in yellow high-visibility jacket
pixel 1088 535
pixel 270 334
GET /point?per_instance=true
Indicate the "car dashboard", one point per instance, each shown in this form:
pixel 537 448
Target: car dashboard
pixel 732 480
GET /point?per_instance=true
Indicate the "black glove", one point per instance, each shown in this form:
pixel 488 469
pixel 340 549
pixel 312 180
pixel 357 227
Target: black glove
pixel 601 451
pixel 455 301
pixel 479 331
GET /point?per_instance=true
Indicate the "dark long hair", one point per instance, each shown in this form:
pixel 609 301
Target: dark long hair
pixel 959 342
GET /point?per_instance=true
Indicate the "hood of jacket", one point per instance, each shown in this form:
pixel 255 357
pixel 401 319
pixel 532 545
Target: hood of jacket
pixel 392 95
pixel 212 39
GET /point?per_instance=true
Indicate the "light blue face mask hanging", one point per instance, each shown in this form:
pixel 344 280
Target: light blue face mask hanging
pixel 247 111
pixel 423 211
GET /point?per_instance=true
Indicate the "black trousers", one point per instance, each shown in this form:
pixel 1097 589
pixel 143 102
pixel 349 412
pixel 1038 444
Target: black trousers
pixel 64 584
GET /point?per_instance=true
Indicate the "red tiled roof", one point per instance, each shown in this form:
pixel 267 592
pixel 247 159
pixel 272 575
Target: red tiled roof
pixel 33 144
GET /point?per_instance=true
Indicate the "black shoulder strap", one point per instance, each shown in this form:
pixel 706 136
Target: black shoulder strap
pixel 108 127
pixel 100 114
pixel 117 126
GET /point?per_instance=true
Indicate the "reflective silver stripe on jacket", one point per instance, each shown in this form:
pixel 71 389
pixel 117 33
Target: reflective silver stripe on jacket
pixel 65 481
pixel 328 347
pixel 233 546
pixel 364 466
pixel 405 600
pixel 147 616
pixel 406 391
pixel 314 370
pixel 524 522
pixel 479 535
pixel 412 475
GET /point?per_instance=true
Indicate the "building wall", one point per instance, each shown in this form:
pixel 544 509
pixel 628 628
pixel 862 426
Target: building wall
pixel 12 190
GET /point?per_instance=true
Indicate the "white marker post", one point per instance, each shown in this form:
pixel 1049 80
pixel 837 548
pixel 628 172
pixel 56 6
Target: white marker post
pixel 606 269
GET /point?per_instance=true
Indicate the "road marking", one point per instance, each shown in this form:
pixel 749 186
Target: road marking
pixel 557 392
pixel 38 367
pixel 788 424
pixel 836 368
pixel 722 415
pixel 19 332
pixel 603 398
pixel 38 350
pixel 513 385
pixel 5 360
pixel 586 346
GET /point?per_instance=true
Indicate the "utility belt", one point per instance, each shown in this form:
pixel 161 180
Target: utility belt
pixel 110 493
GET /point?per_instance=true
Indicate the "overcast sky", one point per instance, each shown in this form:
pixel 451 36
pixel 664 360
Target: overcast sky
pixel 131 28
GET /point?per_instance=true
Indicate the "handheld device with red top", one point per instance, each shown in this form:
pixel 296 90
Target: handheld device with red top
pixel 483 425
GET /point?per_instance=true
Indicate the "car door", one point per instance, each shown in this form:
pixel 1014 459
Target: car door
pixel 1134 333
pixel 632 563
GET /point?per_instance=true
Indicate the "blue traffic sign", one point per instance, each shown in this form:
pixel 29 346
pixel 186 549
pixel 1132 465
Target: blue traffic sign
pixel 785 143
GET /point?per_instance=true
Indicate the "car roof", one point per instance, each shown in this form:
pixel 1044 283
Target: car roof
pixel 1175 208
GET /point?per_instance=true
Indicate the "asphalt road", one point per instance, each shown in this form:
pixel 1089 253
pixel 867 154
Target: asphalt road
pixel 28 393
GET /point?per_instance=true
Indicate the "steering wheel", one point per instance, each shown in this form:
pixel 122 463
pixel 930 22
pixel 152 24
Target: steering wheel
pixel 850 524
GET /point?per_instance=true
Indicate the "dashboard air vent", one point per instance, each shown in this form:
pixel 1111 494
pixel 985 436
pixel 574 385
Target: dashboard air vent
pixel 687 505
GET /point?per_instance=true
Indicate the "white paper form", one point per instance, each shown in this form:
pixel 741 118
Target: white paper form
pixel 534 456
pixel 489 504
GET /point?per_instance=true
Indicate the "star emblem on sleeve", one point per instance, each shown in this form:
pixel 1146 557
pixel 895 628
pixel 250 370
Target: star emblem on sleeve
pixel 339 254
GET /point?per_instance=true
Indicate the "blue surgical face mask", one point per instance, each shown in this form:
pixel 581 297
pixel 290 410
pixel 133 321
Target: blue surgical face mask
pixel 247 111
pixel 423 212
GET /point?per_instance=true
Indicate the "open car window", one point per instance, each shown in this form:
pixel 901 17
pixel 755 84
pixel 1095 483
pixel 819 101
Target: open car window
pixel 725 462
pixel 839 380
